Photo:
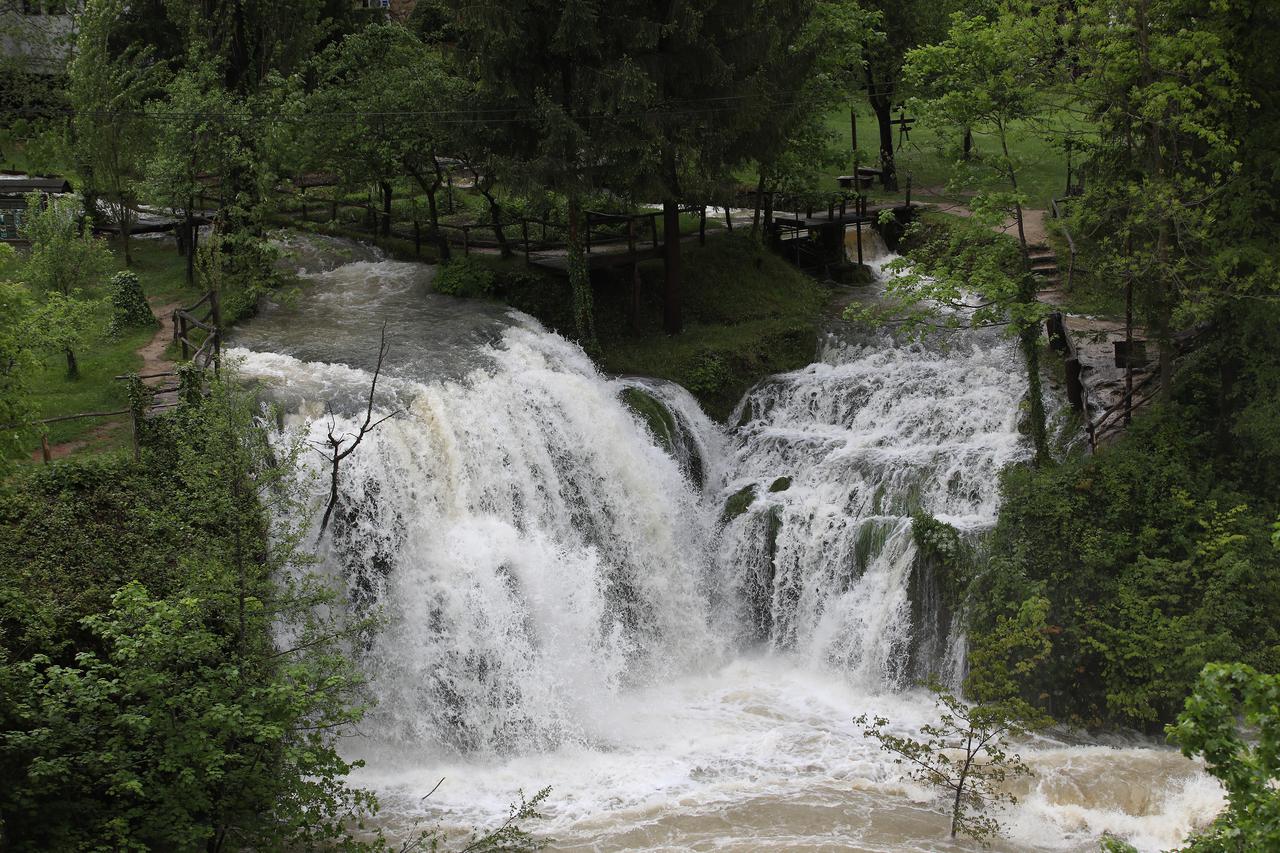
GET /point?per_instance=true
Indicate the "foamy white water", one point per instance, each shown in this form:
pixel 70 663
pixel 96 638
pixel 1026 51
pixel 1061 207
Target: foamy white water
pixel 565 606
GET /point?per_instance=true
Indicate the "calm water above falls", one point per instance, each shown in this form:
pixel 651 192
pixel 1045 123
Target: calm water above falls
pixel 565 606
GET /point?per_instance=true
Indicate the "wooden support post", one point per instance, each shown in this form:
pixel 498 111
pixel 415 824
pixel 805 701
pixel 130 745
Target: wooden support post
pixel 45 453
pixel 702 227
pixel 524 234
pixel 853 132
pixel 1075 389
pixel 859 228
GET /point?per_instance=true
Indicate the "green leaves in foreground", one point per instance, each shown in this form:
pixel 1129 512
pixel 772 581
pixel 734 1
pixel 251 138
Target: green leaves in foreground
pixel 1232 720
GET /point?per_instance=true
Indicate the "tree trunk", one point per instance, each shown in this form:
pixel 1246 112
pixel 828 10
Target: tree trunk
pixel 580 280
pixel 967 144
pixel 881 98
pixel 73 368
pixel 385 187
pixel 495 216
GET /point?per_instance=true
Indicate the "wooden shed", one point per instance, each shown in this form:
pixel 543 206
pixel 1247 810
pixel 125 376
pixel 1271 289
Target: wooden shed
pixel 14 190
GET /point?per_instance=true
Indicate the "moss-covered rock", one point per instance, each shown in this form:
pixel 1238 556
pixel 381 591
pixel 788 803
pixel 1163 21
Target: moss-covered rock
pixel 940 544
pixel 780 485
pixel 669 432
pixel 660 422
pixel 853 274
pixel 739 502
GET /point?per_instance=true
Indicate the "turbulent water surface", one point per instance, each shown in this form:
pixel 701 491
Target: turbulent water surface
pixel 569 603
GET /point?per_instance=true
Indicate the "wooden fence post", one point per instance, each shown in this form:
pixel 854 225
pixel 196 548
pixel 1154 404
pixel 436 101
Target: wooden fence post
pixel 180 320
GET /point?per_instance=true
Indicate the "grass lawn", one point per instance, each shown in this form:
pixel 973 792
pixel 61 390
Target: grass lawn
pixel 930 156
pixel 162 273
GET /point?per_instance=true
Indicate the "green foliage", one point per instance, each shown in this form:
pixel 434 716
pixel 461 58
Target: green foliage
pixel 17 359
pixel 941 544
pixel 467 277
pixel 129 304
pixel 1155 554
pixel 380 109
pixel 107 86
pixel 964 753
pixel 149 701
pixel 65 255
pixel 1232 721
pixel 1002 659
pixel 1166 98
pixel 63 323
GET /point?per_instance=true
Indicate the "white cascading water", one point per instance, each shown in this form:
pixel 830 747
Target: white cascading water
pixel 564 604
pixel 867 436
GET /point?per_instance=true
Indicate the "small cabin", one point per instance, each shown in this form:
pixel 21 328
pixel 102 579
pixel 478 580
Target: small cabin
pixel 14 191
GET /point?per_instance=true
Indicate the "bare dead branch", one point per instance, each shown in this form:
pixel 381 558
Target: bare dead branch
pixel 336 448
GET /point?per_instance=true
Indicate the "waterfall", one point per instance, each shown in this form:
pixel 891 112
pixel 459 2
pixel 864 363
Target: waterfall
pixel 584 582
pixel 533 548
pixel 863 439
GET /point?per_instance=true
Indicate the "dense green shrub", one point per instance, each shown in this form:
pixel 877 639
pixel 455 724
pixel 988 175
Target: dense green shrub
pixel 146 703
pixel 1155 554
pixel 129 304
pixel 469 277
